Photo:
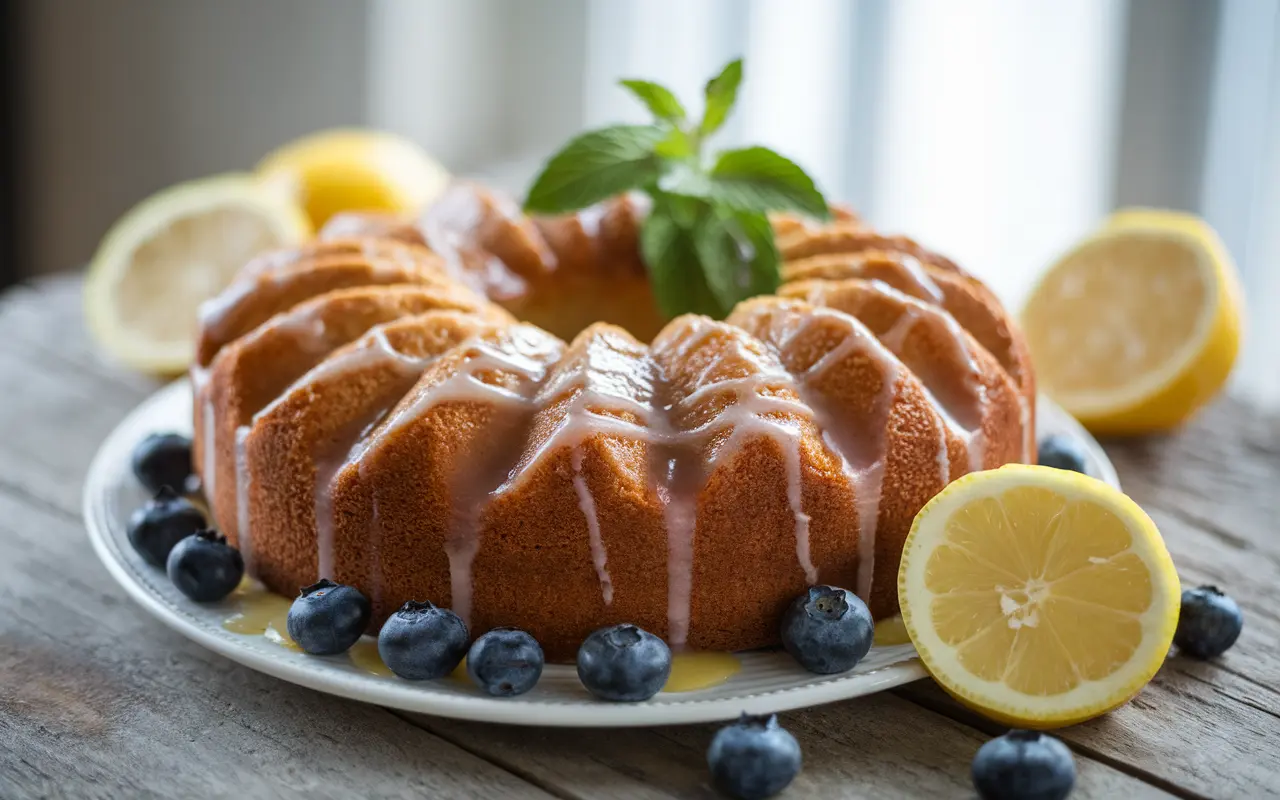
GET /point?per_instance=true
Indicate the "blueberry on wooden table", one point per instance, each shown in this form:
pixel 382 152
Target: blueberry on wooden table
pixel 753 758
pixel 1024 765
pixel 1208 624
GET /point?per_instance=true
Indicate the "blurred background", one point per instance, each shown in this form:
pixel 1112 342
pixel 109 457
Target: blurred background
pixel 997 132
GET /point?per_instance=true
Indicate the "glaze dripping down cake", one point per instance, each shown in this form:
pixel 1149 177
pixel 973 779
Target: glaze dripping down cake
pixel 378 407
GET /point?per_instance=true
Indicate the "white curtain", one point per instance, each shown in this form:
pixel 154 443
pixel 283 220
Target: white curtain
pixel 997 132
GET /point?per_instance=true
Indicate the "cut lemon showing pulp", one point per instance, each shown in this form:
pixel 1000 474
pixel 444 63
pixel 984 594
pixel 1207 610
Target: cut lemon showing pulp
pixel 1138 326
pixel 1037 596
pixel 354 170
pixel 173 251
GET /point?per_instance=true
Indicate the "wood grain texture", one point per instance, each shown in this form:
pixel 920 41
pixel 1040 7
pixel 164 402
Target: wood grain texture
pixel 98 699
pixel 1202 729
pixel 872 747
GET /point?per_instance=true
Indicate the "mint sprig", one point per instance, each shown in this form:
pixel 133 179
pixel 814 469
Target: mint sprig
pixel 707 241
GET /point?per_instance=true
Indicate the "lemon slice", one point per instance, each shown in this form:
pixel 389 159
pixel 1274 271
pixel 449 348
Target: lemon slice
pixel 1138 326
pixel 354 170
pixel 171 252
pixel 1037 596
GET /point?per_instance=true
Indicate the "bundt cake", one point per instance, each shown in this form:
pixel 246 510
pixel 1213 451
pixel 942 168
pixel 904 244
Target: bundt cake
pixel 371 408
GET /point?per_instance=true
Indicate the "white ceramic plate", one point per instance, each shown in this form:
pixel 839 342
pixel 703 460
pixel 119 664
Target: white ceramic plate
pixel 767 682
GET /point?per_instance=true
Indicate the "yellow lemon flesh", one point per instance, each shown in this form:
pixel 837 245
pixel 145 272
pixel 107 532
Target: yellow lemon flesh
pixel 1138 326
pixel 354 170
pixel 172 252
pixel 1038 597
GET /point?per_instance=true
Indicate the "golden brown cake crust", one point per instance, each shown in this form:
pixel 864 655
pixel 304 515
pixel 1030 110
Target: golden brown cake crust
pixel 364 413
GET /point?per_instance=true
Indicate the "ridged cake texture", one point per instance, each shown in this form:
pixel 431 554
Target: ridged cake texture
pixel 394 406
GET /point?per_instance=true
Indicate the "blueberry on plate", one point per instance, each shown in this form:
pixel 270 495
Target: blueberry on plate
pixel 159 525
pixel 422 642
pixel 327 617
pixel 505 662
pixel 624 664
pixel 1209 623
pixel 753 758
pixel 204 567
pixel 1023 765
pixel 827 630
pixel 1063 452
pixel 163 459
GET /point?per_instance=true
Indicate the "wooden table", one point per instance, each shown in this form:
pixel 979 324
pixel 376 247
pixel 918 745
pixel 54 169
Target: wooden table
pixel 97 699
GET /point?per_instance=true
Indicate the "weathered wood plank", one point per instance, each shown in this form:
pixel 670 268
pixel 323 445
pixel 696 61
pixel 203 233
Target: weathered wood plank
pixel 1220 473
pixel 873 747
pixel 99 700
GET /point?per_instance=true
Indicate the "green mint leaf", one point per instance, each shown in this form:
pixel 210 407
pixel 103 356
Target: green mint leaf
pixel 595 166
pixel 659 100
pixel 721 93
pixel 674 274
pixel 767 181
pixel 751 179
pixel 738 255
pixel 677 145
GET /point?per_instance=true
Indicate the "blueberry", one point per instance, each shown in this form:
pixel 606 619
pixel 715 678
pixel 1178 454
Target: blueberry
pixel 421 642
pixel 204 567
pixel 624 663
pixel 505 662
pixel 163 459
pixel 1063 452
pixel 1209 624
pixel 327 617
pixel 164 521
pixel 753 758
pixel 827 629
pixel 1023 765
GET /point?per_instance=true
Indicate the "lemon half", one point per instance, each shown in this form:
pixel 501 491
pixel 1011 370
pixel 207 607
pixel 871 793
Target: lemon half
pixel 1037 596
pixel 171 252
pixel 1138 326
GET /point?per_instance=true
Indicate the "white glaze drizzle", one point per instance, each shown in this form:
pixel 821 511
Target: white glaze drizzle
pixel 527 354
pixel 976 459
pixel 969 431
pixel 452 227
pixel 589 220
pixel 746 418
pixel 201 400
pixel 587 504
pixel 944 454
pixel 210 451
pixel 972 435
pixel 862 452
pixel 244 482
pixel 920 277
pixel 613 374
pixel 677 491
pixel 213 312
